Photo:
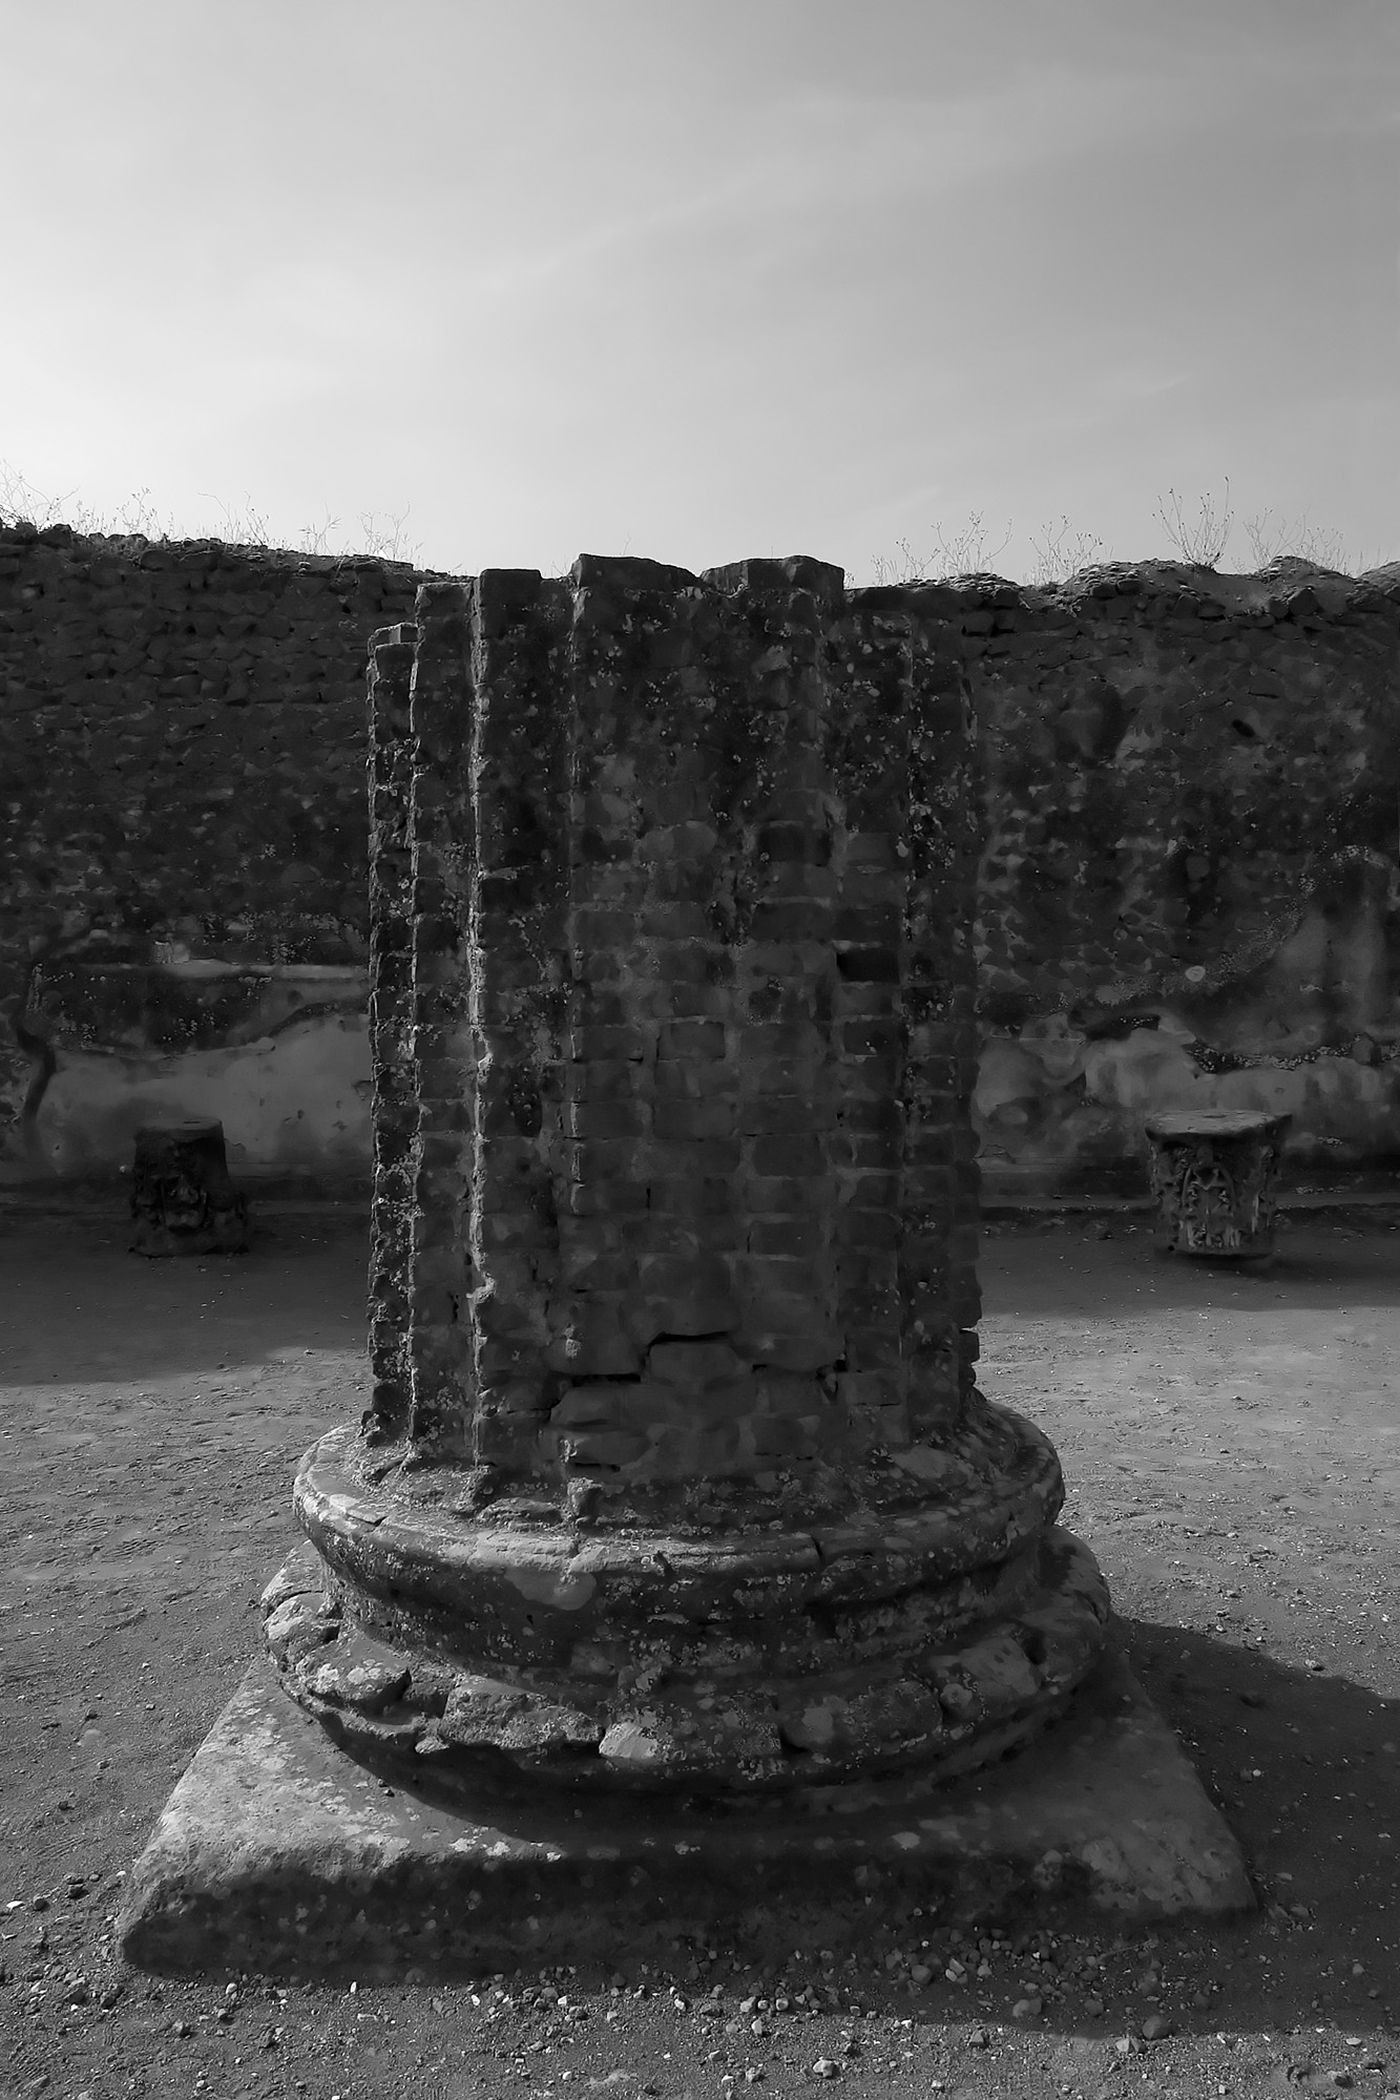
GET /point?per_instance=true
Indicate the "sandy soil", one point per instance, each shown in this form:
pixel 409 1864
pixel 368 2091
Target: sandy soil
pixel 1232 1445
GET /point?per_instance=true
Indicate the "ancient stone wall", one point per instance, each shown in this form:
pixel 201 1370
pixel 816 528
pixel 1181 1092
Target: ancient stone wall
pixel 183 844
pixel 1190 886
pixel 1189 893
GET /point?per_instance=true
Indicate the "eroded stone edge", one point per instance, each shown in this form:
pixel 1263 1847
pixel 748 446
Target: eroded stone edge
pixel 277 1853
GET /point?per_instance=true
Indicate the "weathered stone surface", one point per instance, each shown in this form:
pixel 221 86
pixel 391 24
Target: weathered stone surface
pixel 1215 1177
pixel 1185 896
pixel 183 1200
pixel 181 747
pixel 676 1497
pixel 676 1474
pixel 278 1855
pixel 656 1660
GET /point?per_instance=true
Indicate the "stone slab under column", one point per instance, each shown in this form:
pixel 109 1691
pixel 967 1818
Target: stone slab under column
pixel 280 1855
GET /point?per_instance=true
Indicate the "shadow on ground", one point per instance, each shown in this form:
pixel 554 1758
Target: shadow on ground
pixel 94 1312
pixel 1231 1445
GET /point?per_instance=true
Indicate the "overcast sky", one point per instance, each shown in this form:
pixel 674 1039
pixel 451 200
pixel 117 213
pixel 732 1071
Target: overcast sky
pixel 710 279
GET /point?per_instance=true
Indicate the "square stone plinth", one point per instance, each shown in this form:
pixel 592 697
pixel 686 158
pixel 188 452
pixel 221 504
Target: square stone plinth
pixel 278 1854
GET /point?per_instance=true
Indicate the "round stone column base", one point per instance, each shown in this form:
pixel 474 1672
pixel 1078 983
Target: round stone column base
pixel 934 1638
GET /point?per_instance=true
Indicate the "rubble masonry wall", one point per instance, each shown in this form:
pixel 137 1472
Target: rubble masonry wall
pixel 1188 893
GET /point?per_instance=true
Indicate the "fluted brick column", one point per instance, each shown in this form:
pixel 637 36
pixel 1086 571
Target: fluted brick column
pixel 390 1025
pixel 675 1471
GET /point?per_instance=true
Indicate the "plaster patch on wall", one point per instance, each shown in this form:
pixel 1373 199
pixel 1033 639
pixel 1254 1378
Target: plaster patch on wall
pixel 299 1099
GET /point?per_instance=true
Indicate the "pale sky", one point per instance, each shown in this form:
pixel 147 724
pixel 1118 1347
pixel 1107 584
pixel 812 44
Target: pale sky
pixel 706 280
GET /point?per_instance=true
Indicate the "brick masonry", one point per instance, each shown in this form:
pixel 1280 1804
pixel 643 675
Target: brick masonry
pixel 182 794
pixel 690 1023
pixel 1187 894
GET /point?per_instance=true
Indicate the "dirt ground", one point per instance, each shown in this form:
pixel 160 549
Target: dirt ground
pixel 1232 1445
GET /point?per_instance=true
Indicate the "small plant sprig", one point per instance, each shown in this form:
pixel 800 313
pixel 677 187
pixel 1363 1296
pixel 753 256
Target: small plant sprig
pixel 1203 539
pixel 1061 550
pixel 965 551
pixel 381 533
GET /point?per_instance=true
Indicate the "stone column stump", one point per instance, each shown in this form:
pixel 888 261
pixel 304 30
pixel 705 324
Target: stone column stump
pixel 678 1569
pixel 1214 1177
pixel 676 1476
pixel 182 1198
